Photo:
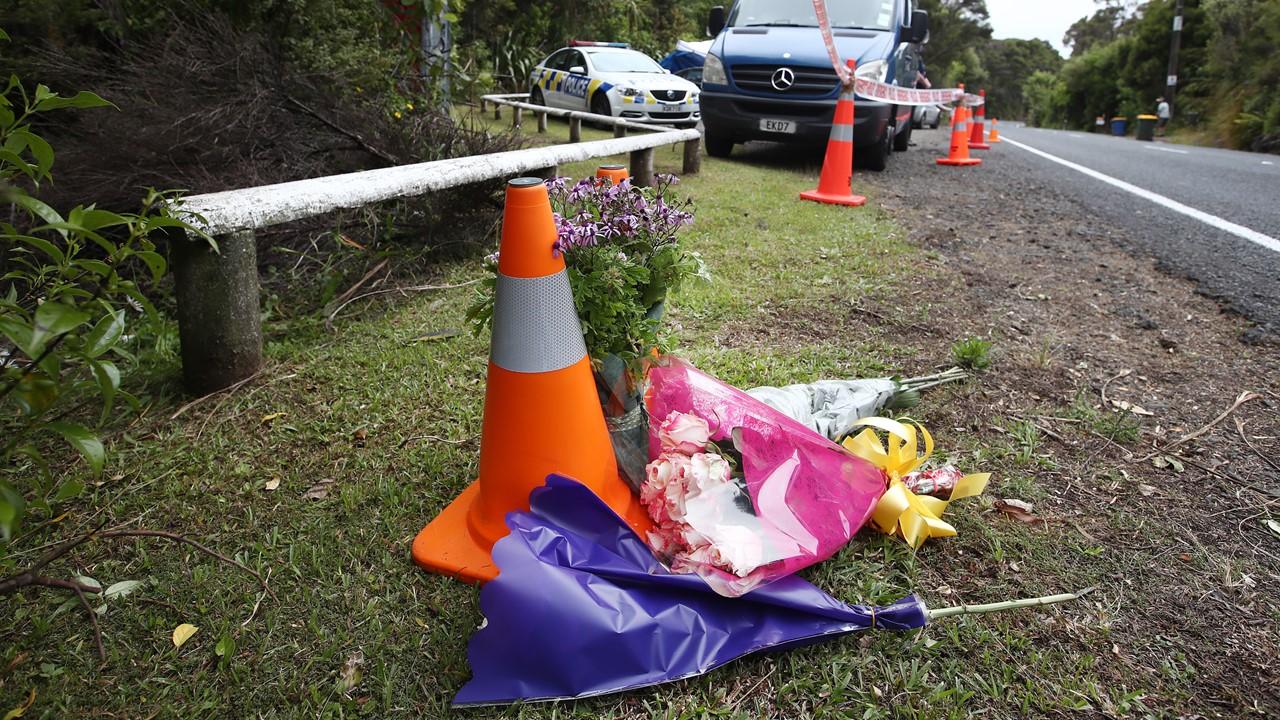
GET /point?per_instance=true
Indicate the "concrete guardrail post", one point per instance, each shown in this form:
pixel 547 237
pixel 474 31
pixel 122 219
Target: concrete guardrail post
pixel 542 122
pixel 692 156
pixel 619 130
pixel 575 129
pixel 517 117
pixel 642 168
pixel 497 111
pixel 219 318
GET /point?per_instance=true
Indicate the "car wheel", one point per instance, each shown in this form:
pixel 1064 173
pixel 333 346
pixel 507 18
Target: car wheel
pixel 600 106
pixel 536 98
pixel 876 157
pixel 902 139
pixel 718 144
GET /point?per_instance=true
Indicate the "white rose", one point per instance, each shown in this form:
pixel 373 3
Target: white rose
pixel 684 433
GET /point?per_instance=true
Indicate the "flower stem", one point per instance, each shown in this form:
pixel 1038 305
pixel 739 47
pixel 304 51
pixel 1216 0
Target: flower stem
pixel 1006 605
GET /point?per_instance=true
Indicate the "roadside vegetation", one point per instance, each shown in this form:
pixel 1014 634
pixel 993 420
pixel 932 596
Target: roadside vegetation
pixel 1119 60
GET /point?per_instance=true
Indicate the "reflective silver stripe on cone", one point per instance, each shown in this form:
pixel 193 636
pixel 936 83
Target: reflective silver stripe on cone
pixel 841 132
pixel 535 324
pixel 961 127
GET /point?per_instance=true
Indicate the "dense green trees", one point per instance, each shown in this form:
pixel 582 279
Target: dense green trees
pixel 1227 70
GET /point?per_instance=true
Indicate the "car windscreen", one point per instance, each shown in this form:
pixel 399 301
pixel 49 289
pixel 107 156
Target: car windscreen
pixel 624 62
pixel 865 14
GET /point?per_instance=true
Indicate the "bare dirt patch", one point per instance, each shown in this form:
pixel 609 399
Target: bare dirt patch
pixel 1109 360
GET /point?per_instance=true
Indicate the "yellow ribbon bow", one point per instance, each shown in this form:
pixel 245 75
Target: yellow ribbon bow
pixel 915 518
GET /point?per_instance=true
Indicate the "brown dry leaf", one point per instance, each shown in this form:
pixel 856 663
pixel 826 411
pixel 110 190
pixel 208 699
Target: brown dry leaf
pixel 1135 409
pixel 1019 510
pixel 359 436
pixel 273 483
pixel 23 708
pixel 1146 490
pixel 319 491
pixel 352 672
pixel 342 238
pixel 266 419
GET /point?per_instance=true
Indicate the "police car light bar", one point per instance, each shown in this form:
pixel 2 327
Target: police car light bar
pixel 592 43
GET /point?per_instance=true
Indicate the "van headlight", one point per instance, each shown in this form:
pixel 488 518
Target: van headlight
pixel 876 71
pixel 713 71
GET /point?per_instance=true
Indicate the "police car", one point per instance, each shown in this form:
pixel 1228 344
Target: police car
pixel 612 79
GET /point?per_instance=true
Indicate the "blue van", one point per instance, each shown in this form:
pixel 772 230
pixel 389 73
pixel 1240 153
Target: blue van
pixel 768 75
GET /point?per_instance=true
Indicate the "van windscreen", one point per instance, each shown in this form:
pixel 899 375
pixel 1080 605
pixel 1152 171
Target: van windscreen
pixel 863 14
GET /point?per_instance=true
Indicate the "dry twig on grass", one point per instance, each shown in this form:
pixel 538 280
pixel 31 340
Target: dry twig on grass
pixel 33 576
pixel 1243 398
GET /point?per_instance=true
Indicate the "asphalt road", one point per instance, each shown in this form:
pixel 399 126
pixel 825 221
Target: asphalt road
pixel 1239 265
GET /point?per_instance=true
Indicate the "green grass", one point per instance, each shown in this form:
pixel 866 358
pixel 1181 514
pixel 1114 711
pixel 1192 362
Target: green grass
pixel 393 422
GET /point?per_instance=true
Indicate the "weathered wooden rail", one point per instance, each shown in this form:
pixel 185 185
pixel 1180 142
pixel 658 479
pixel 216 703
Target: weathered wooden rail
pixel 219 313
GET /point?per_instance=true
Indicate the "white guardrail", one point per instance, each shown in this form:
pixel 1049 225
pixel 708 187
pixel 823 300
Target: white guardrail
pixel 219 316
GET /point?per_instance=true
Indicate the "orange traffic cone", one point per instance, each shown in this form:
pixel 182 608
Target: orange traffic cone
pixel 835 185
pixel 541 411
pixel 978 131
pixel 993 137
pixel 614 173
pixel 959 154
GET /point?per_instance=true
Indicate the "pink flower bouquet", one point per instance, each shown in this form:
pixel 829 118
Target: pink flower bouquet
pixel 739 493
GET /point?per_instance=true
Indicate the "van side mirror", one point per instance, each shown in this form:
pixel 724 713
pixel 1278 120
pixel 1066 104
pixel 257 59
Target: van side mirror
pixel 918 31
pixel 578 70
pixel 715 21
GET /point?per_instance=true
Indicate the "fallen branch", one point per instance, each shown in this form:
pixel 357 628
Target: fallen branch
pixel 384 291
pixel 1240 429
pixel 1006 605
pixel 32 576
pixel 328 323
pixel 228 389
pixel 184 539
pixel 349 133
pixel 1244 397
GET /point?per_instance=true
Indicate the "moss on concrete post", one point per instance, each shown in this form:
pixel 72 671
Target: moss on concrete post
pixel 219 319
pixel 642 168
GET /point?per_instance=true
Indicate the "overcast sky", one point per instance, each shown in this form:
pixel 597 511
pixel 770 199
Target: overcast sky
pixel 1044 19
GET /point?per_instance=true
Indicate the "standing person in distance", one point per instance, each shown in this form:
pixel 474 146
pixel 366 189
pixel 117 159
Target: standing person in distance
pixel 1162 116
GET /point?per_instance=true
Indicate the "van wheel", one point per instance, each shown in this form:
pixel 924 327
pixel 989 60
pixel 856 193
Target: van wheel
pixel 718 144
pixel 902 139
pixel 876 157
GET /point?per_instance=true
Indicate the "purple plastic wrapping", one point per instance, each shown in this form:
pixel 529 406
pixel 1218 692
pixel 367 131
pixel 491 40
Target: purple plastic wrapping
pixel 802 497
pixel 582 607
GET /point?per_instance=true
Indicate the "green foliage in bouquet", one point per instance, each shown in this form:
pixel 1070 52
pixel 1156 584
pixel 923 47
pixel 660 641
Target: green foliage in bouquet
pixel 69 288
pixel 621 247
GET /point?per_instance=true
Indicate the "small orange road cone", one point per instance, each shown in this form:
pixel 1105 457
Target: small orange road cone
pixel 541 411
pixel 959 154
pixel 613 173
pixel 978 131
pixel 835 185
pixel 993 137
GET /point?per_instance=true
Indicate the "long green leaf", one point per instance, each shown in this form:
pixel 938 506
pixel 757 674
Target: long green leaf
pixel 82 99
pixel 105 334
pixel 108 376
pixel 53 319
pixel 84 441
pixel 12 508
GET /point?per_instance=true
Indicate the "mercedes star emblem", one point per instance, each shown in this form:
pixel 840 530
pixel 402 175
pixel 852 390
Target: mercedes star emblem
pixel 783 79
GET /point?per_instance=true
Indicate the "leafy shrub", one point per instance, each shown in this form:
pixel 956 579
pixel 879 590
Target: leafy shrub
pixel 621 248
pixel 70 297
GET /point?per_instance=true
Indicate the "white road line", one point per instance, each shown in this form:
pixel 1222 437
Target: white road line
pixel 1165 149
pixel 1267 162
pixel 1240 231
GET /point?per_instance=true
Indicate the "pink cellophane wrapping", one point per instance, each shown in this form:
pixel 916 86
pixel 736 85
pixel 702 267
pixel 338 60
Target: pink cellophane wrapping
pixel 809 495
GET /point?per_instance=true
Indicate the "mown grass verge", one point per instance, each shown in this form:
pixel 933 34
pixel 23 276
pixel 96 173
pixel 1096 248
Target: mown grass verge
pixel 380 418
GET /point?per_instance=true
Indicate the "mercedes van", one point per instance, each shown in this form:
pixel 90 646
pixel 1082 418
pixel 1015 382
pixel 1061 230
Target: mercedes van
pixel 768 75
